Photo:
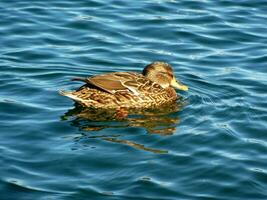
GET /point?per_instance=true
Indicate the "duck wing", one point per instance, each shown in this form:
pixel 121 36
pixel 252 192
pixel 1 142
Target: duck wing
pixel 117 81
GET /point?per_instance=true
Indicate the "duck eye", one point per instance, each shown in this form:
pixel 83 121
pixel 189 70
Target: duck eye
pixel 170 75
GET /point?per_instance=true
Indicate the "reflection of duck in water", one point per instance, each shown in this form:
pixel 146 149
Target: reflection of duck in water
pixel 162 121
pixel 151 89
pixel 157 121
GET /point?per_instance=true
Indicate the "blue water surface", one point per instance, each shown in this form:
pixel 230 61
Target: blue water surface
pixel 213 147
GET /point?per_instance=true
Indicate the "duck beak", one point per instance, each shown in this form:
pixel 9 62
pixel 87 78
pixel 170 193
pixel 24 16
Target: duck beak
pixel 178 85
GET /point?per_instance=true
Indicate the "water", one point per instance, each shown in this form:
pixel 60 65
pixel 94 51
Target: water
pixel 213 147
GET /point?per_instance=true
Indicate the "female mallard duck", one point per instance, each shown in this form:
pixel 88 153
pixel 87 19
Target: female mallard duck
pixel 151 89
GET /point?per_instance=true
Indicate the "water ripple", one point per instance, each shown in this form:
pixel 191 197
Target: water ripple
pixel 211 146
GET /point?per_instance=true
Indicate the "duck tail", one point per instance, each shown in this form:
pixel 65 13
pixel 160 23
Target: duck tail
pixel 78 79
pixel 71 95
pixel 63 93
pixel 68 94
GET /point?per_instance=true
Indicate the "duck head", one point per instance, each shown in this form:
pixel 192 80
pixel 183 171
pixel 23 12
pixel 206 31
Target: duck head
pixel 162 73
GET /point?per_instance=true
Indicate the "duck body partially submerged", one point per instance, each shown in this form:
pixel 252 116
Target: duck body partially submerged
pixel 151 89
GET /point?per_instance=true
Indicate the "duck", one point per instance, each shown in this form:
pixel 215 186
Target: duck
pixel 153 88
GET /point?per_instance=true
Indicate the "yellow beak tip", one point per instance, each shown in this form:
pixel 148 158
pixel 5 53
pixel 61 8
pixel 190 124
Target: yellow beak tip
pixel 179 86
pixel 185 88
